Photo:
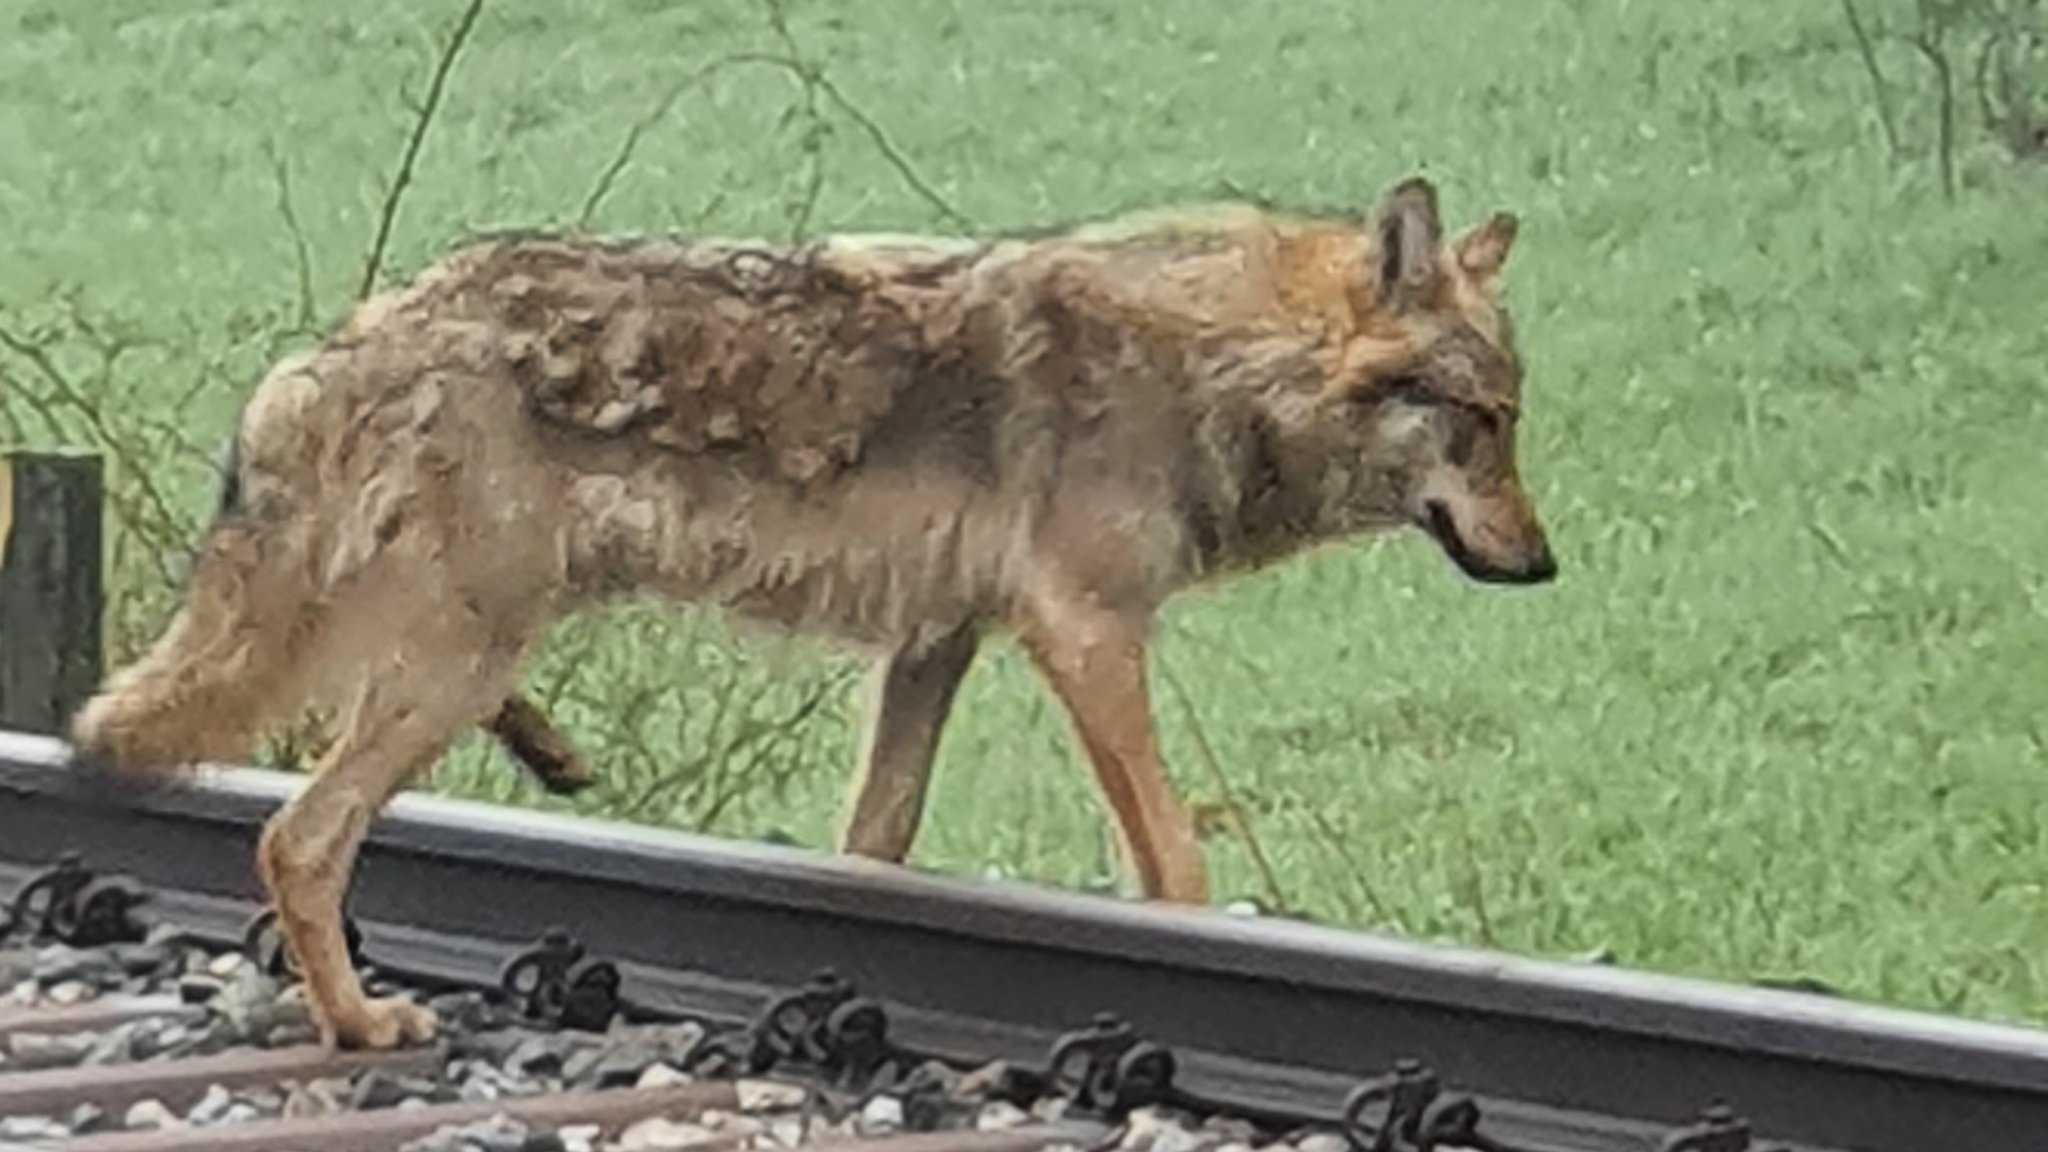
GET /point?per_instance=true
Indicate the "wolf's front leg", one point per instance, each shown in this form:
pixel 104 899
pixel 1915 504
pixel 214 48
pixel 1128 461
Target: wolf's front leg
pixel 1094 660
pixel 444 673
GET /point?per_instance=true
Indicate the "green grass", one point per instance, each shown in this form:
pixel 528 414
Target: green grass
pixel 1782 715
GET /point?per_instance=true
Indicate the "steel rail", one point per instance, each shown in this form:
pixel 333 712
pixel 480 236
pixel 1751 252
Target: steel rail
pixel 1263 1014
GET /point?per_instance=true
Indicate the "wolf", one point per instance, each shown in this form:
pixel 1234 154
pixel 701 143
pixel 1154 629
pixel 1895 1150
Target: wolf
pixel 907 444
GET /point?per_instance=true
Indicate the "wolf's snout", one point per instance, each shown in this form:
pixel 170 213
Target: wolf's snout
pixel 1483 558
pixel 1542 568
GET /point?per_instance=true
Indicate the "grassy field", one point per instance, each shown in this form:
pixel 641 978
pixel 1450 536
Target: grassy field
pixel 1782 715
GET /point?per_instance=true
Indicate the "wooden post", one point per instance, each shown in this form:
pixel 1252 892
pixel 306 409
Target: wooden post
pixel 52 593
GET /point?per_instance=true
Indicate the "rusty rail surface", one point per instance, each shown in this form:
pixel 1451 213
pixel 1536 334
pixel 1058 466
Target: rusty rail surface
pixel 1259 1017
pixel 93 1014
pixel 178 1083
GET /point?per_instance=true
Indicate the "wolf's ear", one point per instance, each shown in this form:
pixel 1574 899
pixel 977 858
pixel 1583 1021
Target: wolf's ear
pixel 1484 247
pixel 1408 233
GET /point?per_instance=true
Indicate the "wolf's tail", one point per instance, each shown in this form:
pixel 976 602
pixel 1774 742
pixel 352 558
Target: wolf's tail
pixel 234 655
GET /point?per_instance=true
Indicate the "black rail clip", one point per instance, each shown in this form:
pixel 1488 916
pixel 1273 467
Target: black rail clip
pixel 1718 1129
pixel 76 905
pixel 824 1023
pixel 557 983
pixel 265 946
pixel 1407 1110
pixel 1106 1069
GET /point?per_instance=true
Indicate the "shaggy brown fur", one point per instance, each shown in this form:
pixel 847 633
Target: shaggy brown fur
pixel 903 444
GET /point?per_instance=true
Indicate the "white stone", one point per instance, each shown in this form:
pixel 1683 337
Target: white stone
pixel 881 1114
pixel 656 1134
pixel 1141 1130
pixel 151 1114
pixel 32 1128
pixel 313 1098
pixel 768 1095
pixel 997 1115
pixel 662 1076
pixel 211 1107
pixel 1174 1138
pixel 478 1091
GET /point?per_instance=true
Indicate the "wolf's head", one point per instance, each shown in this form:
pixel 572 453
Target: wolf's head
pixel 1431 383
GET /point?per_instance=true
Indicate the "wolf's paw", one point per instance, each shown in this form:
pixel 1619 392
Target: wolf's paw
pixel 94 775
pixel 384 1022
pixel 110 752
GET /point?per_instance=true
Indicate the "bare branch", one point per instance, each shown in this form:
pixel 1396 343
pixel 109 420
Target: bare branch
pixel 784 727
pixel 1928 37
pixel 705 211
pixel 281 174
pixel 147 513
pixel 53 425
pixel 14 432
pixel 894 155
pixel 1336 841
pixel 1881 90
pixel 1474 880
pixel 374 263
pixel 814 121
pixel 813 82
pixel 59 382
pixel 631 142
pixel 1267 876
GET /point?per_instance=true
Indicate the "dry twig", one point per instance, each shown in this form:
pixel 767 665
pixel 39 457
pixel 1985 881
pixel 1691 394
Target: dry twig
pixel 374 263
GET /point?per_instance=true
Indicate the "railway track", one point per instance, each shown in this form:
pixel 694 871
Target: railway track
pixel 608 987
pixel 157 1042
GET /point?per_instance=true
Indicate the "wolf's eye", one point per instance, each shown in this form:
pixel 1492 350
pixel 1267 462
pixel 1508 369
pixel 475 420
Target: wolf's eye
pixel 1404 387
pixel 1496 420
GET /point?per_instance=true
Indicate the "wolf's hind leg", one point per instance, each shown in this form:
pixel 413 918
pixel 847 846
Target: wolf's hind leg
pixel 424 676
pixel 533 740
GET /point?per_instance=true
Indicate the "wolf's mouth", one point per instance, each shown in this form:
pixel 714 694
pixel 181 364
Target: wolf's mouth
pixel 1444 529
